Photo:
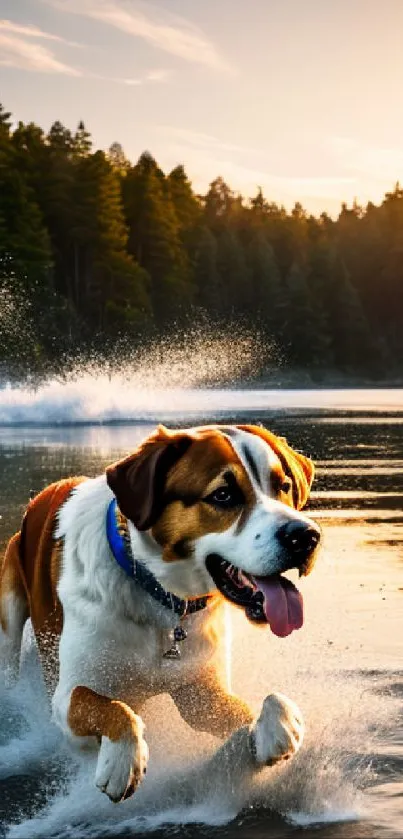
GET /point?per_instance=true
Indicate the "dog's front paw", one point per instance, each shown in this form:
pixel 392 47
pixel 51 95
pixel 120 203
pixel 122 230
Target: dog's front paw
pixel 121 766
pixel 279 731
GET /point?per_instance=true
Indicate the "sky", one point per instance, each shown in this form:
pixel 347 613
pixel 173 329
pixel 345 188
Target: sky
pixel 300 97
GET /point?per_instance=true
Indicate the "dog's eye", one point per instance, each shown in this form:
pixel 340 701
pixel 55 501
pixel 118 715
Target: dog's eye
pixel 286 485
pixel 224 497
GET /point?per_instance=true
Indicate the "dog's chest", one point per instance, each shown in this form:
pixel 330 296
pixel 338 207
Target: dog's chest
pixel 148 663
pixel 114 634
pixel 118 656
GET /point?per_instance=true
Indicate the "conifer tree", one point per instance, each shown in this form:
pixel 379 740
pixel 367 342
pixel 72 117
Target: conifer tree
pixel 268 296
pixel 304 331
pixel 82 142
pixel 207 277
pixel 118 159
pixel 353 345
pixel 95 246
pixel 233 272
pixel 154 240
pixel 186 205
pixel 23 236
pixel 218 204
pixel 109 283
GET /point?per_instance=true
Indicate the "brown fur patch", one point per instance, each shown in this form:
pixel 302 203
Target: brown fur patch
pixel 277 479
pixel 11 580
pixel 186 516
pixel 299 468
pixel 93 715
pixel 31 564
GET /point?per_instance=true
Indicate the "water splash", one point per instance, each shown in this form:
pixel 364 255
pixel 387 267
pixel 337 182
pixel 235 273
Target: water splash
pixel 160 380
pixel 16 327
pixel 344 719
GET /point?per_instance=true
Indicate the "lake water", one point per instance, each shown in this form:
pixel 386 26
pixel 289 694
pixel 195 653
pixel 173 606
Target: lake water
pixel 344 668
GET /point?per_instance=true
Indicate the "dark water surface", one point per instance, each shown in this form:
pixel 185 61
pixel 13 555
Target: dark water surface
pixel 344 668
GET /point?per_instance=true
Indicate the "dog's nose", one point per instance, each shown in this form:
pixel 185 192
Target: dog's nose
pixel 299 538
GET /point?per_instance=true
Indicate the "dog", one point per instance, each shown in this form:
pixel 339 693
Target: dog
pixel 125 576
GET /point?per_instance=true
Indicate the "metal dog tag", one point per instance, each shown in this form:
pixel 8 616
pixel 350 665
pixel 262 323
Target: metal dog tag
pixel 179 634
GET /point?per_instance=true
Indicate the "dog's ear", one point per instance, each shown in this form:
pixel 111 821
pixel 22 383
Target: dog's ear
pixel 299 468
pixel 138 481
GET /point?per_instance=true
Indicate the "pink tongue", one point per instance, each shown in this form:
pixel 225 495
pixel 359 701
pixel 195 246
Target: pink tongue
pixel 283 605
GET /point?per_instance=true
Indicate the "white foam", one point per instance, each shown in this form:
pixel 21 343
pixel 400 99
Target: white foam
pixel 95 398
pixel 332 817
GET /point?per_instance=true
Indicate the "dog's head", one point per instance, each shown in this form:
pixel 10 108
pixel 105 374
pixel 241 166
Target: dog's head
pixel 223 505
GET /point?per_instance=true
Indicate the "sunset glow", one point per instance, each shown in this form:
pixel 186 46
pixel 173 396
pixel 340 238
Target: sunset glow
pixel 303 99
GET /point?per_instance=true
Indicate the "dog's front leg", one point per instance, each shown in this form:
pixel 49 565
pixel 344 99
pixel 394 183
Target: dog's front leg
pixel 206 706
pixel 276 735
pixel 123 752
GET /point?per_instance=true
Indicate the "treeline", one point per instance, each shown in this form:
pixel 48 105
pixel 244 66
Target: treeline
pixel 93 249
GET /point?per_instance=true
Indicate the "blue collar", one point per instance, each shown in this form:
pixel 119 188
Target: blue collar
pixel 119 543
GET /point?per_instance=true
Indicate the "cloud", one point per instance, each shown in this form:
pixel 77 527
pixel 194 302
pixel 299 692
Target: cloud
pixel 158 75
pixel 128 82
pixel 151 77
pixel 199 139
pixel 31 31
pixel 207 156
pixel 156 26
pixel 20 51
pixel 24 54
pixel 375 163
pixel 288 187
pixel 232 155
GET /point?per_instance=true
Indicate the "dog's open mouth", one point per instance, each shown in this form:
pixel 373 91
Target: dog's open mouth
pixel 273 600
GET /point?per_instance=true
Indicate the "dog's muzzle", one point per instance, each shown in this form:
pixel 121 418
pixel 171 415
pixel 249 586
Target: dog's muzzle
pixel 271 598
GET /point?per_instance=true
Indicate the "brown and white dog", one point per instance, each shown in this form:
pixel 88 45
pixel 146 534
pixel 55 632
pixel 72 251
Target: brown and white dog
pixel 208 514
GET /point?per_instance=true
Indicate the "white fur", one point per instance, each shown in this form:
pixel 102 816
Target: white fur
pixel 120 764
pixel 263 456
pixel 279 731
pixel 253 549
